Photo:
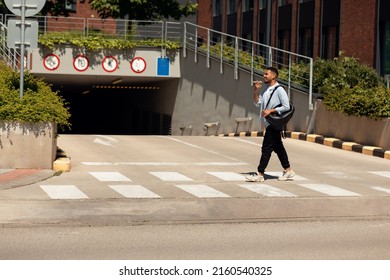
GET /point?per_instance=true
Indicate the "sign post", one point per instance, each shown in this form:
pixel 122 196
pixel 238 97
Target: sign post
pixel 25 8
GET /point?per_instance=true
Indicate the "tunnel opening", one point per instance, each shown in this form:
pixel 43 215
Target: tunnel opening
pixel 119 110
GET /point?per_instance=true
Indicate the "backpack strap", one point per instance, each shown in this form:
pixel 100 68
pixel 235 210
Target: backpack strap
pixel 271 96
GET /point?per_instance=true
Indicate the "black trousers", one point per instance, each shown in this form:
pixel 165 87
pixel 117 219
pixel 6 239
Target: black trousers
pixel 272 142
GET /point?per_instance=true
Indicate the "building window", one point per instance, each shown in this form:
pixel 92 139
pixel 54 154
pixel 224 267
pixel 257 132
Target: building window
pixel 330 42
pixel 386 48
pixel 232 6
pixel 70 5
pixel 306 42
pixel 282 3
pixel 284 43
pixel 262 4
pixel 217 8
pixel 247 5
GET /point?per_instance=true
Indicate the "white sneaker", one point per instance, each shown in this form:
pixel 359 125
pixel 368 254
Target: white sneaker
pixel 255 178
pixel 287 175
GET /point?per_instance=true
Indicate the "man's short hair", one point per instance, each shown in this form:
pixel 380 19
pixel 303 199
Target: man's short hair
pixel 273 69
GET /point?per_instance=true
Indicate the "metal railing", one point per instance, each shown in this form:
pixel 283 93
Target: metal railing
pixel 135 30
pixel 245 55
pixel 294 69
pixel 10 56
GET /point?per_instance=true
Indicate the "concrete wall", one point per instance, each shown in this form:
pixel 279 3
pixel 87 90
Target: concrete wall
pixel 205 95
pixel 27 145
pixel 67 54
pixel 355 129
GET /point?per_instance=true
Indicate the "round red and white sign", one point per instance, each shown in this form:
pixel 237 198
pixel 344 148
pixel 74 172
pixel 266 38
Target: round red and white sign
pixel 81 63
pixel 110 64
pixel 51 62
pixel 138 64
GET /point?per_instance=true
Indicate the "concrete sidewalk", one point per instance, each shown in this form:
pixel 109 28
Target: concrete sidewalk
pixel 12 178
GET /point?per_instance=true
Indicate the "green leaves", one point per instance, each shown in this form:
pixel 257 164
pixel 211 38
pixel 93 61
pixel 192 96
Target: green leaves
pixel 39 103
pixel 352 88
pixel 99 42
pixel 143 9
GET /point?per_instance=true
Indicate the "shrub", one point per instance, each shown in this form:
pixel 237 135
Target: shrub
pixel 343 72
pixel 39 102
pixel 351 87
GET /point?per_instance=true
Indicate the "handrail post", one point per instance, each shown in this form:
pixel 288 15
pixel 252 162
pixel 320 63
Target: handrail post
pixel 208 48
pixel 269 62
pixel 252 64
pixel 221 55
pixel 289 75
pixel 311 106
pixel 196 45
pixel 236 59
pixel 185 40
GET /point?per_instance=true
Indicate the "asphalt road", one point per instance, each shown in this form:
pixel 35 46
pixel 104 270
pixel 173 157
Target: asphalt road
pixel 331 240
pixel 163 197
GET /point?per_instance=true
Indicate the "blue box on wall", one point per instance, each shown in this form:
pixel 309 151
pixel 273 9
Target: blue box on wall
pixel 163 66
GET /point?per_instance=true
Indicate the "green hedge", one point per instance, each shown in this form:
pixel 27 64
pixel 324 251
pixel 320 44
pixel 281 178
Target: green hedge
pixel 351 87
pixel 39 102
pixel 99 41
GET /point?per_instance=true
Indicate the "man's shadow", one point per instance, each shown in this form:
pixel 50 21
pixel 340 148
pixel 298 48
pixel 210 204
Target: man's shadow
pixel 266 176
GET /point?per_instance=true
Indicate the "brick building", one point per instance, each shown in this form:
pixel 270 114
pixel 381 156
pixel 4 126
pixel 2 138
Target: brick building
pixel 315 28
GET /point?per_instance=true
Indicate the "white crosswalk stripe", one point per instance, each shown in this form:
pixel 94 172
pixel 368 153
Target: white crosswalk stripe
pixel 381 173
pixel 171 176
pixel 278 174
pixel 110 177
pixel 228 176
pixel 267 190
pixel 338 175
pixel 63 192
pixel 329 190
pixel 134 191
pixel 202 191
pixel 381 189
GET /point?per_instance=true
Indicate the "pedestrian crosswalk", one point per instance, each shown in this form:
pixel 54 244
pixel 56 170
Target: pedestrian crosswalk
pixel 224 185
pixel 133 191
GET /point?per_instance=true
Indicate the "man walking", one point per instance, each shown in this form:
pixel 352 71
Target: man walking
pixel 272 141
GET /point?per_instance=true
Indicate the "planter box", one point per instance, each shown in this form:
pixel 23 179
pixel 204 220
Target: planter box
pixel 355 129
pixel 27 145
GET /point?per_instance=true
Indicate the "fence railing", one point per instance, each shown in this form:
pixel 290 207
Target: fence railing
pixel 10 56
pixel 116 28
pixel 294 69
pixel 245 55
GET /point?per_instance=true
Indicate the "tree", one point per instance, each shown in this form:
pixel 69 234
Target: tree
pixel 143 9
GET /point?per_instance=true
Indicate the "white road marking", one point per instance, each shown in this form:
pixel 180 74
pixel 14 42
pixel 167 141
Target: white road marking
pixel 110 177
pixel 108 142
pixel 278 174
pixel 151 163
pixel 134 191
pixel 381 173
pixel 338 175
pixel 242 140
pixel 202 191
pixel 228 176
pixel 381 189
pixel 329 190
pixel 267 190
pixel 170 176
pixel 109 138
pixel 63 192
pixel 200 148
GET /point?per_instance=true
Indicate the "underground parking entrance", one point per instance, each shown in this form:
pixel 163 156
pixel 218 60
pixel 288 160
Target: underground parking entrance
pixel 125 109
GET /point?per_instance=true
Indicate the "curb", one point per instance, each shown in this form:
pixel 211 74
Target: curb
pixel 320 139
pixel 14 178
